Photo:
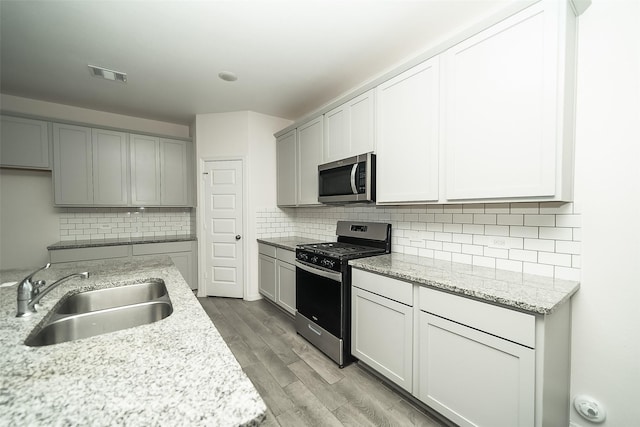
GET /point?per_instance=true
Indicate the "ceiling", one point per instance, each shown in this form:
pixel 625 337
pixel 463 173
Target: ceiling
pixel 291 57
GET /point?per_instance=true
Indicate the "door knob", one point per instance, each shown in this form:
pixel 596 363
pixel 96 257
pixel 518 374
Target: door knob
pixel 238 237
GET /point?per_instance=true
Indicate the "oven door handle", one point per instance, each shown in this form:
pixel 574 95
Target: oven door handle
pixel 337 277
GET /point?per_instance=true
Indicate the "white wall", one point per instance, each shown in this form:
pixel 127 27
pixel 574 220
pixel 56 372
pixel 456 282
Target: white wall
pixel 248 135
pixel 28 220
pixel 606 320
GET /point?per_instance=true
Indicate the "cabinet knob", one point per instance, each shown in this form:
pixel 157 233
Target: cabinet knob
pixel 238 237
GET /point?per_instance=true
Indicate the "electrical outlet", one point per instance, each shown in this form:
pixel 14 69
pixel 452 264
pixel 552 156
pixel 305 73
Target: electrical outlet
pixel 498 242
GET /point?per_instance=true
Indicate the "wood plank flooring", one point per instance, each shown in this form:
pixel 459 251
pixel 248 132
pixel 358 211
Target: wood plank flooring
pixel 299 384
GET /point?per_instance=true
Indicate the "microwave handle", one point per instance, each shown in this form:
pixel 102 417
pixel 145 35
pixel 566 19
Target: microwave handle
pixel 353 178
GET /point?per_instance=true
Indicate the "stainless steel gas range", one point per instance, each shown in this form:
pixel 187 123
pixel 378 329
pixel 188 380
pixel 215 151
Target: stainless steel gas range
pixel 323 285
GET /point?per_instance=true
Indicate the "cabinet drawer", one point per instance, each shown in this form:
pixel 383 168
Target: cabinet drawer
pixel 161 248
pixel 286 255
pixel 86 254
pixel 267 250
pixel 387 287
pixel 502 322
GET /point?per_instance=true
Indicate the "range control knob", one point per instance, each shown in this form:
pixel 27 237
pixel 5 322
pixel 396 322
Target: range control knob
pixel 328 263
pixel 314 259
pixel 303 256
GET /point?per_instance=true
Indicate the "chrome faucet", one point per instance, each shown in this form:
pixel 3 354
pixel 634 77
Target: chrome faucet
pixel 30 293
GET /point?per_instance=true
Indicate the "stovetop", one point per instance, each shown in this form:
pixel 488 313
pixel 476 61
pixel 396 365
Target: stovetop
pixel 339 249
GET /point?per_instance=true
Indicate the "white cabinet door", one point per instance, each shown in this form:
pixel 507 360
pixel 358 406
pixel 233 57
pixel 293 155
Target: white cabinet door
pixel 407 135
pixel 267 276
pixel 502 92
pixel 382 336
pixel 145 170
pixel 286 282
pixel 286 157
pixel 309 157
pixel 72 165
pixel 473 378
pixel 349 129
pixel 24 143
pixel 110 167
pixel 174 173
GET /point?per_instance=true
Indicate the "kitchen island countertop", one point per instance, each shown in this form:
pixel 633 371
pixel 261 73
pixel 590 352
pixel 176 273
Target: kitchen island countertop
pixel 527 292
pixel 177 371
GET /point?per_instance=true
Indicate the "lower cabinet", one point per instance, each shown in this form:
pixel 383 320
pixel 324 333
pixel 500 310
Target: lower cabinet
pixel 183 255
pixel 475 363
pixel 277 276
pixel 382 335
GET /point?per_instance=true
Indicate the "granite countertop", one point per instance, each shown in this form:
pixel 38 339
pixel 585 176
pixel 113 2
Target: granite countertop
pixel 177 371
pixel 75 244
pixel 289 243
pixel 536 294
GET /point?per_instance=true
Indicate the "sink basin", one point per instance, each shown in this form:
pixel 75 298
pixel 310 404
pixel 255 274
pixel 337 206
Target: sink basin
pixel 101 311
pixel 73 327
pixel 101 299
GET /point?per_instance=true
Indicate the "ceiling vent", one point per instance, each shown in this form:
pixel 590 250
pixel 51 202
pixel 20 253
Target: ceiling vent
pixel 116 76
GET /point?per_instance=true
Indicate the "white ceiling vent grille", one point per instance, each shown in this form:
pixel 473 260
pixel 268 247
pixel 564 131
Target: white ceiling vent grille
pixel 116 76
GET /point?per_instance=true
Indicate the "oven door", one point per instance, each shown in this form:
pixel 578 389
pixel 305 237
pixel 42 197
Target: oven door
pixel 319 297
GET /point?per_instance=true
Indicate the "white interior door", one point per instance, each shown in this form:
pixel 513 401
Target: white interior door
pixel 223 227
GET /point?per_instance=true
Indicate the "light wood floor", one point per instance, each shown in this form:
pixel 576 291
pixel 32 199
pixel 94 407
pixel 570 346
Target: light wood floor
pixel 299 384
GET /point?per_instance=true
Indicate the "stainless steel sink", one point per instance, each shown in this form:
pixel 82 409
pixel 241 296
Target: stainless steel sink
pixel 101 311
pixel 101 299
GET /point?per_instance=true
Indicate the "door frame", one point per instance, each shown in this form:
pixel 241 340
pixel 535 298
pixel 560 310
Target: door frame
pixel 200 215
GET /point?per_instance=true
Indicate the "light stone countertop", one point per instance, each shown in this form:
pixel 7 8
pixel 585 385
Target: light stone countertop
pixel 536 294
pixel 288 243
pixel 177 371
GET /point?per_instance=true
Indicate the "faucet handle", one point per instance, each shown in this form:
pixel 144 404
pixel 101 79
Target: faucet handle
pixel 30 276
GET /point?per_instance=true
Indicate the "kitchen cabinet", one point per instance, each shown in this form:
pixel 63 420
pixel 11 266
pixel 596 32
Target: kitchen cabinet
pixel 407 135
pixel 24 143
pixel 349 129
pixel 90 166
pixel 286 165
pixel 382 326
pixel 183 255
pixel 145 170
pixel 277 276
pixel 110 167
pixel 309 157
pixel 464 371
pixel 160 172
pixel 474 362
pixel 509 108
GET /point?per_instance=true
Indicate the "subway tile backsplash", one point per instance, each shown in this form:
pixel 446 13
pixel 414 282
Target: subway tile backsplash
pixel 109 223
pixel 536 238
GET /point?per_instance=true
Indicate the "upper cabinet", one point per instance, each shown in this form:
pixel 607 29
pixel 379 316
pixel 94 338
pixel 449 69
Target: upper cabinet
pixel 286 155
pixel 174 172
pixel 110 167
pixel 72 165
pixel 298 154
pixel 160 171
pixel 488 119
pixel 508 106
pixel 99 167
pixel 309 157
pixel 24 143
pixel 349 129
pixel 90 166
pixel 407 118
pixel 145 170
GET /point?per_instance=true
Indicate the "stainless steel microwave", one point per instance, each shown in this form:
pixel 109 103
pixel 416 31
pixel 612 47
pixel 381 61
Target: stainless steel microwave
pixel 348 180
